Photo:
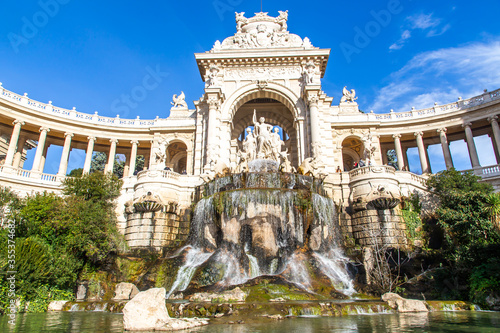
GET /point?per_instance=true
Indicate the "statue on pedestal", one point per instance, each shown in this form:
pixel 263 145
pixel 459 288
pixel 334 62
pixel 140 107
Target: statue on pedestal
pixel 348 97
pixel 263 143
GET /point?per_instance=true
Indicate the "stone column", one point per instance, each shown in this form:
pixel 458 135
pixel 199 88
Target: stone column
pixel 44 157
pixel 14 138
pixel 88 154
pixel 399 151
pixel 213 105
pixel 315 127
pixel 63 165
pixel 421 152
pixel 19 152
pixel 469 137
pixel 40 147
pixel 111 156
pixel 133 156
pixel 496 133
pixel 446 148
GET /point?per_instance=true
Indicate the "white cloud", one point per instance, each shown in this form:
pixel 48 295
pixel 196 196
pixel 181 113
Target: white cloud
pixel 400 43
pixel 424 22
pixel 441 76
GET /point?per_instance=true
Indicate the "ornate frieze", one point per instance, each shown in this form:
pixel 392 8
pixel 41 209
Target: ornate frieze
pixel 263 73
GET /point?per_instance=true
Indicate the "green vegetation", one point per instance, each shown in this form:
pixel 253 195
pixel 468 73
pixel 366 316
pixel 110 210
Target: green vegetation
pixel 410 211
pixel 99 160
pixel 472 243
pixel 57 238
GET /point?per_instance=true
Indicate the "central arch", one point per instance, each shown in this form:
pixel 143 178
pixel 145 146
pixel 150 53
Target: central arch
pixel 278 105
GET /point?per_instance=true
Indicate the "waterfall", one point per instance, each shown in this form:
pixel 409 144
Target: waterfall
pixel 194 258
pixel 296 272
pixel 253 263
pixel 332 264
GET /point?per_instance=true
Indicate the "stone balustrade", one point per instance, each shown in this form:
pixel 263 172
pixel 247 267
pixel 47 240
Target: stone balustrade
pixel 117 121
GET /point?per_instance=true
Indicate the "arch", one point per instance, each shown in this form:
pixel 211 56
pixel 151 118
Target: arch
pixel 271 90
pixel 176 153
pixel 352 151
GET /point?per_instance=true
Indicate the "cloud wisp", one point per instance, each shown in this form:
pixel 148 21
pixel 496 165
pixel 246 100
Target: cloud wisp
pixel 425 22
pixel 441 76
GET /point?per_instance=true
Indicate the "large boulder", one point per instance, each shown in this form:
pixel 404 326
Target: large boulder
pixel 404 305
pixel 147 312
pixel 125 291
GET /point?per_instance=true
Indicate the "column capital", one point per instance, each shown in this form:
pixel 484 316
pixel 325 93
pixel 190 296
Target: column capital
pixel 17 121
pixel 44 129
pixel 493 119
pixel 135 142
pixel 213 103
pixel 91 138
pixel 113 140
pixel 396 136
pixel 466 124
pixel 313 100
pixel 417 134
pixel 68 134
pixel 442 130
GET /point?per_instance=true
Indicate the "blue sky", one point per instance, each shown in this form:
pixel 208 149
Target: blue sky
pixel 89 54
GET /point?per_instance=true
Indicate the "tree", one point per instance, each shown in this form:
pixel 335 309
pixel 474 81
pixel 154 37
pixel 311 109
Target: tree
pixel 99 160
pixel 392 159
pixel 465 213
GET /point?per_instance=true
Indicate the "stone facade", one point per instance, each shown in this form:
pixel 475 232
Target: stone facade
pixel 264 70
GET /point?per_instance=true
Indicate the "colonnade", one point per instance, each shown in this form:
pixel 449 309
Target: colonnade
pixel 402 159
pixel 17 142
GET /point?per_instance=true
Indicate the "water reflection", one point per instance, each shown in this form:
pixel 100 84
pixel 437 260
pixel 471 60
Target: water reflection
pixel 413 322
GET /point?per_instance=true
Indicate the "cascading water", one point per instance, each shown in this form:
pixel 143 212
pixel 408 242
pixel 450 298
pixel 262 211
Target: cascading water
pixel 194 258
pixel 263 223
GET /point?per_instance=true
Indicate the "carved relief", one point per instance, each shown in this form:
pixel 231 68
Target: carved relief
pixel 265 73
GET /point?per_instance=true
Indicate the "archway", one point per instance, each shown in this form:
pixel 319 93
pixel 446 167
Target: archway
pixel 352 149
pixel 177 156
pixel 276 114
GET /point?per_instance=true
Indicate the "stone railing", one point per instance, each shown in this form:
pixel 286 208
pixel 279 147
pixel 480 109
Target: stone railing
pixel 486 172
pixel 36 176
pixel 461 104
pixel 165 174
pixel 372 169
pixel 117 121
pixel 80 116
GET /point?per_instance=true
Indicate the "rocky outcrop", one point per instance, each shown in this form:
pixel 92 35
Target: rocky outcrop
pixel 147 311
pixel 229 296
pixel 125 291
pixel 404 305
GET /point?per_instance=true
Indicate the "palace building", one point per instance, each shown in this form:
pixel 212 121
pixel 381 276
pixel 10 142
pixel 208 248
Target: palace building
pixel 261 71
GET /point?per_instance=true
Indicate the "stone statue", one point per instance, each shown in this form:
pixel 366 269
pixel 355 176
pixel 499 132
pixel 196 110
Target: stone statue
pixel 211 77
pixel 281 20
pixel 243 164
pixel 311 166
pixel 263 134
pixel 348 96
pixel 309 72
pixel 240 20
pixel 179 102
pixel 276 144
pixel 369 149
pixel 160 154
pixel 250 146
pixel 286 165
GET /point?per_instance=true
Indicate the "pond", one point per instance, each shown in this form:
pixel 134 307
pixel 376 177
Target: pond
pixel 460 321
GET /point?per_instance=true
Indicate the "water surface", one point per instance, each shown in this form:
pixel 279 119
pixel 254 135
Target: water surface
pixel 462 321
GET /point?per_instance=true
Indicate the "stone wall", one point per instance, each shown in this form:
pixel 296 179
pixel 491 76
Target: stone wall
pixel 372 227
pixel 157 229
